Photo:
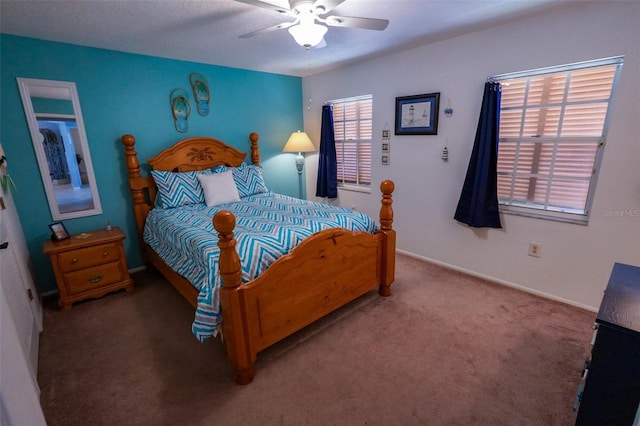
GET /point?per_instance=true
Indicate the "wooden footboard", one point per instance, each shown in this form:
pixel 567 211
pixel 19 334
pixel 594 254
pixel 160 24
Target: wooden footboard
pixel 325 272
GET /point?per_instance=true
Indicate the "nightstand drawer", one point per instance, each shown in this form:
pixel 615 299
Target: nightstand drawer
pixel 88 256
pixel 91 278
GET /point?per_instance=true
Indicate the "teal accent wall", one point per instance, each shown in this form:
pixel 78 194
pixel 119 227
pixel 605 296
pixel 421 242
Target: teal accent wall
pixel 123 93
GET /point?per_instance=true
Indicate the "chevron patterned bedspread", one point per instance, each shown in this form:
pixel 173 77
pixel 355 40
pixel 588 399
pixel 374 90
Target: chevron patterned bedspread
pixel 268 226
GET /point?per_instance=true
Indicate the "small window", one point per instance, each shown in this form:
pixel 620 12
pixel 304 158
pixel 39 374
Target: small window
pixel 352 128
pixel 553 128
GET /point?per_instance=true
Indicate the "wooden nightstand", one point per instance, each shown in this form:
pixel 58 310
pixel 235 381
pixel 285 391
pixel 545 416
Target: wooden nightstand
pixel 89 265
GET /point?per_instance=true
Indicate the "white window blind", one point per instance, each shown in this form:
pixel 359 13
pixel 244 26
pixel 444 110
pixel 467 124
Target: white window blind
pixel 353 131
pixel 553 127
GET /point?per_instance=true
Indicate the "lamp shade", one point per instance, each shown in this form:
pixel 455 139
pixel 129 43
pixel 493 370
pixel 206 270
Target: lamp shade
pixel 308 35
pixel 299 142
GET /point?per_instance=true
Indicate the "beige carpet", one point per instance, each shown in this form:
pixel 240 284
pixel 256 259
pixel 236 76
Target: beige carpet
pixel 444 349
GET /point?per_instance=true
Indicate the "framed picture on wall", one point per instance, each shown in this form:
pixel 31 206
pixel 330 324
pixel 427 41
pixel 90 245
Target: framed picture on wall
pixel 417 114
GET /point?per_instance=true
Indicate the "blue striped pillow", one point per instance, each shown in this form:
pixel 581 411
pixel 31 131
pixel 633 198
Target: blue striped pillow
pixel 248 178
pixel 178 189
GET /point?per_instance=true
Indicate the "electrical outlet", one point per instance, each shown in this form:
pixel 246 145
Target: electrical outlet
pixel 534 249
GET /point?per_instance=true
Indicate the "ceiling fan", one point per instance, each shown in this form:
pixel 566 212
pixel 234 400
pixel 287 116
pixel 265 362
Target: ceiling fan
pixel 308 16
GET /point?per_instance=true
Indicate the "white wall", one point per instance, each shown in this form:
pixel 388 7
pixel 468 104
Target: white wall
pixel 576 260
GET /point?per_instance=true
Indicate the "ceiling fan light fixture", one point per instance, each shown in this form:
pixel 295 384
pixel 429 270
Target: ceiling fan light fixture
pixel 308 35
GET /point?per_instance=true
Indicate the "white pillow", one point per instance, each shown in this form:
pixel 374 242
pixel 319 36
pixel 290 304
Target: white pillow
pixel 219 188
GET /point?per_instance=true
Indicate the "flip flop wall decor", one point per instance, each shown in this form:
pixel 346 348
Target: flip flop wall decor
pixel 201 92
pixel 180 109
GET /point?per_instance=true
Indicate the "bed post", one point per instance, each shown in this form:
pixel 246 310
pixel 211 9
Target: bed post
pixel 389 246
pixel 233 327
pixel 136 182
pixel 255 150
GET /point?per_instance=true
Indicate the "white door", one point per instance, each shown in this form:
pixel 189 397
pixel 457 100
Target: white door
pixel 21 320
pixel 9 216
pixel 19 396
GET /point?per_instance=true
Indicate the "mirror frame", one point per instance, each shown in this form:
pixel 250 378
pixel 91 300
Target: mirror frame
pixel 64 90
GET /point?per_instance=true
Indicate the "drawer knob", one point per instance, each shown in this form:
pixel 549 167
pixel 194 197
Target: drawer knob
pixel 95 278
pixel 105 254
pixel 74 260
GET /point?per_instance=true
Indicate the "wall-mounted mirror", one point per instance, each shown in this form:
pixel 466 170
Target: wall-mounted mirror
pixel 57 131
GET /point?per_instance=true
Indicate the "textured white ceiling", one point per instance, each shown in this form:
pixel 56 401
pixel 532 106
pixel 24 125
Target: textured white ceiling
pixel 207 31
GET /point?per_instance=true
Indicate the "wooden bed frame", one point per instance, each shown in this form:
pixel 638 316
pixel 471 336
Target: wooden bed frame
pixel 326 271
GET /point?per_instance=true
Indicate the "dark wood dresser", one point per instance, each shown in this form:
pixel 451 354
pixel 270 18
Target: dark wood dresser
pixel 611 394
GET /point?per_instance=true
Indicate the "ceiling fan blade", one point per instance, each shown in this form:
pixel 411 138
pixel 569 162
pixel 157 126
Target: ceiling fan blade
pixel 266 5
pixel 325 6
pixel 268 29
pixel 355 22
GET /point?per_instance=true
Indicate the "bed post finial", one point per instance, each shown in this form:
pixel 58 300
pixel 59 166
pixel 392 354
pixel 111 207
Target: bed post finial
pixel 389 247
pixel 136 182
pixel 240 354
pixel 229 262
pixel 386 212
pixel 255 150
pixel 133 166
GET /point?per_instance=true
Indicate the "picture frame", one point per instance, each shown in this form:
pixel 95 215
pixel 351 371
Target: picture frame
pixel 417 114
pixel 385 159
pixel 385 147
pixel 58 231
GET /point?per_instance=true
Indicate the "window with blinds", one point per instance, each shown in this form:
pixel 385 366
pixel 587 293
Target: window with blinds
pixel 553 127
pixel 353 131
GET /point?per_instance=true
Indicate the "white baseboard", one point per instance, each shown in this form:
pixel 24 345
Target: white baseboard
pixel 499 281
pixel 49 293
